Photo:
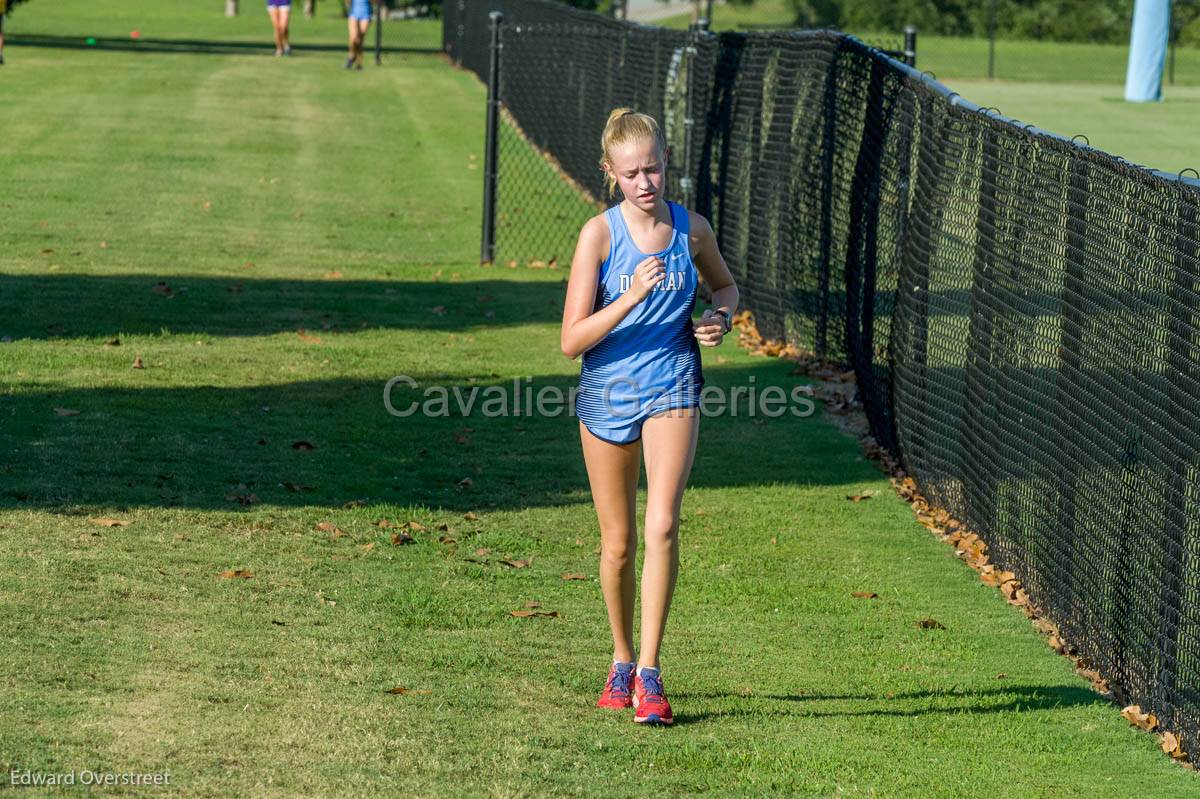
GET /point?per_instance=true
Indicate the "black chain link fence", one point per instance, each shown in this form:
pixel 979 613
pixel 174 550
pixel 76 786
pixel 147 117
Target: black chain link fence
pixel 1022 313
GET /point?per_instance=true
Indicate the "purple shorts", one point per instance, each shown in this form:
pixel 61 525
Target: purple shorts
pixel 279 3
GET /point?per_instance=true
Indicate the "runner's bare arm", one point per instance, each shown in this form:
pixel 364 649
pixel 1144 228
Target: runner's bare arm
pixel 711 266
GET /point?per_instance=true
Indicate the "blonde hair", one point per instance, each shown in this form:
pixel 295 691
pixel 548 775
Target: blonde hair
pixel 626 125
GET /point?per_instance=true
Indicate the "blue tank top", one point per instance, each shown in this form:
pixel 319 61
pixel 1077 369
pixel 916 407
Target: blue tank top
pixel 650 361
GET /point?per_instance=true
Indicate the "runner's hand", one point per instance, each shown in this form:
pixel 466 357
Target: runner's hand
pixel 710 330
pixel 646 276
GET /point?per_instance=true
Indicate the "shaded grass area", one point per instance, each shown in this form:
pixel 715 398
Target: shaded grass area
pixel 317 235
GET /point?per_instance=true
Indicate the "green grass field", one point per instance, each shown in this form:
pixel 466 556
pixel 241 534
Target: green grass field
pixel 273 239
pixel 1064 88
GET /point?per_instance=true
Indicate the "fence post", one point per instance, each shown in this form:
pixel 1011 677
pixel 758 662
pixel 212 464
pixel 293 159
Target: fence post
pixel 689 121
pixel 459 30
pixel 910 45
pixel 378 32
pixel 488 247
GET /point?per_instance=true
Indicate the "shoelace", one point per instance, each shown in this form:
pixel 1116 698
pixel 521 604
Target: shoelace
pixel 653 686
pixel 619 682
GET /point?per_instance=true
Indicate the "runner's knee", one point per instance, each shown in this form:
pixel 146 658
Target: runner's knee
pixel 618 550
pixel 662 530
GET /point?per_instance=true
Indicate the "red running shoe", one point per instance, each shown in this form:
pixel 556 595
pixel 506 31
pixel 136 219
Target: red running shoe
pixel 616 693
pixel 652 707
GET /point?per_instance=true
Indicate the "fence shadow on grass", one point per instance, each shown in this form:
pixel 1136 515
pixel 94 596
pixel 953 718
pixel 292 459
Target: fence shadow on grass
pixel 217 446
pixel 74 305
pixel 1016 698
pixel 193 46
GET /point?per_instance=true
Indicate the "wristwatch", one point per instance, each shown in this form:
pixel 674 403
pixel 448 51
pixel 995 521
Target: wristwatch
pixel 724 315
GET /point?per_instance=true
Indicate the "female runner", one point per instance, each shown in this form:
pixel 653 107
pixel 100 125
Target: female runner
pixel 358 23
pixel 628 311
pixel 280 12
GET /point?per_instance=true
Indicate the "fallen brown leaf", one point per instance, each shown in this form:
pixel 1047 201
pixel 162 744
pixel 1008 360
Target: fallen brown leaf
pixel 470 516
pixel 400 690
pixel 332 529
pixel 399 539
pixel 524 614
pixel 243 574
pixel 931 624
pixel 573 576
pixel 1144 721
pixel 517 564
pixel 1170 745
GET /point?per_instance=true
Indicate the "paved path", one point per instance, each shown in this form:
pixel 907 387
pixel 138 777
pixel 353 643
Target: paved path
pixel 652 10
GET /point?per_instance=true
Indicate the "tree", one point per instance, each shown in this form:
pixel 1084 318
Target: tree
pixel 818 13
